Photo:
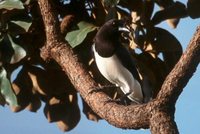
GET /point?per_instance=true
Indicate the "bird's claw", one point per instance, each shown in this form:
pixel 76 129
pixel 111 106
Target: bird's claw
pixel 101 88
pixel 121 101
pixel 118 101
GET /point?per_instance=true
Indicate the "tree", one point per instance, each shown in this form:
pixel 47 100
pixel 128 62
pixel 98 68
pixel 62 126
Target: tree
pixel 49 40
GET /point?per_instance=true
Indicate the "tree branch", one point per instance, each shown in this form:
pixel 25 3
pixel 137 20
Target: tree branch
pixel 133 116
pixel 182 72
pixel 162 123
pixel 163 107
pixel 60 51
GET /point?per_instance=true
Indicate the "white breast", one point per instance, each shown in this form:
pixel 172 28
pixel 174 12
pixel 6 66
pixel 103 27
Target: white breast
pixel 112 69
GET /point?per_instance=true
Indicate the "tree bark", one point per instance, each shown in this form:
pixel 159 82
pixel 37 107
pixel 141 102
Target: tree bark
pixel 182 72
pixel 157 114
pixel 162 123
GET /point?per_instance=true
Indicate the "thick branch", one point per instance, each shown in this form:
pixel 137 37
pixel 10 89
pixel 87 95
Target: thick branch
pixel 50 20
pixel 118 115
pixel 133 116
pixel 162 123
pixel 182 72
pixel 162 119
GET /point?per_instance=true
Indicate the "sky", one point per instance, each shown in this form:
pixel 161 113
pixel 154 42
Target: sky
pixel 186 116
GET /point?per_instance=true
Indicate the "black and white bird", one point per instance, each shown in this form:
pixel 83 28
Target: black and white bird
pixel 114 61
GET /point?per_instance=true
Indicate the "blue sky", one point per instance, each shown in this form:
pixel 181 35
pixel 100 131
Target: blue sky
pixel 187 107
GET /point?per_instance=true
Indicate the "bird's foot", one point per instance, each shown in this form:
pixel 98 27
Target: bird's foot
pixel 101 88
pixel 123 100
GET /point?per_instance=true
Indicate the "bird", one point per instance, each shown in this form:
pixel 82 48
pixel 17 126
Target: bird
pixel 114 61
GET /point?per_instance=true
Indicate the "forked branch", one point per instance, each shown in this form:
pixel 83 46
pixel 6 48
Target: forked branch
pixel 155 114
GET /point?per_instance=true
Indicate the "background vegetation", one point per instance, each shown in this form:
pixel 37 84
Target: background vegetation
pixel 23 39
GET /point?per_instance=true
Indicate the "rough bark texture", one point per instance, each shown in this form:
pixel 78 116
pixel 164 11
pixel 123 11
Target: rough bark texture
pixel 157 114
pixel 162 123
pixel 182 72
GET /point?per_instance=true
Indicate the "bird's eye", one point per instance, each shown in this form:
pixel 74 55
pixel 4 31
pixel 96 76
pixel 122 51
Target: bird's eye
pixel 114 23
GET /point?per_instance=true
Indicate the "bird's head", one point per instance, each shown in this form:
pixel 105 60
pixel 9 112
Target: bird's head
pixel 111 30
pixel 108 36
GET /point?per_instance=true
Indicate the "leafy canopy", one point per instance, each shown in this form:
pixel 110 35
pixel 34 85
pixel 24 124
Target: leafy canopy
pixel 22 36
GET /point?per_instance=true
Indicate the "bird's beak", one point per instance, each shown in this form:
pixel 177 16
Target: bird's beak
pixel 125 32
pixel 123 29
pixel 122 26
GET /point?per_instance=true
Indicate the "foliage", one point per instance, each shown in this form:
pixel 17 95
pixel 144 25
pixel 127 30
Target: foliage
pixel 6 90
pixel 11 4
pixel 76 37
pixel 22 35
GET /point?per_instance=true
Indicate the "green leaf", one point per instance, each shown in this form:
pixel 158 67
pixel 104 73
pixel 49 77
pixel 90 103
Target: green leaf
pixel 18 27
pixel 76 37
pixel 19 52
pixel 112 14
pixel 110 3
pixel 193 8
pixel 23 24
pixel 165 41
pixel 1 38
pixel 148 9
pixel 154 68
pixel 6 90
pixel 169 46
pixel 2 100
pixel 11 4
pixel 175 11
pixel 11 52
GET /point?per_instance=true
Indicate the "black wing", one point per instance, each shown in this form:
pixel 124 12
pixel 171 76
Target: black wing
pixel 126 60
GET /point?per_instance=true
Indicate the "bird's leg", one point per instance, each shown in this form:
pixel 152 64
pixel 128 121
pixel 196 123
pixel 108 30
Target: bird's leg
pixel 124 100
pixel 101 88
